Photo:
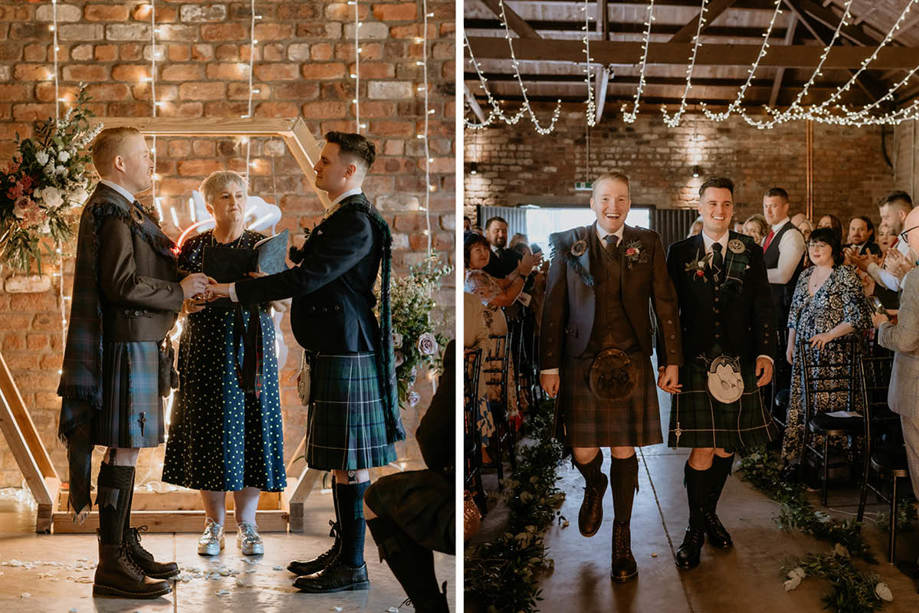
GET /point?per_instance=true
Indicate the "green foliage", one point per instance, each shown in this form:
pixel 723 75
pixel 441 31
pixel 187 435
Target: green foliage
pixel 417 341
pixel 851 590
pixel 42 187
pixel 505 573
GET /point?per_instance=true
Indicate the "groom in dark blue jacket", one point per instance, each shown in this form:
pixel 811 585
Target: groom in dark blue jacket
pixel 353 408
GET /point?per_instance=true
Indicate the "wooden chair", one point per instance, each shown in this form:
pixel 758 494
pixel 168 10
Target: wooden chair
pixel 834 376
pixel 885 453
pixel 472 437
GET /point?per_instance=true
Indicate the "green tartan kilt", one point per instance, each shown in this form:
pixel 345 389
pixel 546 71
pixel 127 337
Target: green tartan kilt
pixel 698 420
pixel 132 410
pixel 346 428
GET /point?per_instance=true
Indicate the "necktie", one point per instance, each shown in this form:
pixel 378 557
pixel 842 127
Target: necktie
pixel 768 240
pixel 612 241
pixel 717 261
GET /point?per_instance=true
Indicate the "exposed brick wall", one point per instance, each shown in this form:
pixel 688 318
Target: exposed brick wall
pixel 303 63
pixel 517 166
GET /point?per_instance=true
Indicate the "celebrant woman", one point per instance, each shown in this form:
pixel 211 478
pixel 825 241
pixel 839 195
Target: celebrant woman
pixel 226 429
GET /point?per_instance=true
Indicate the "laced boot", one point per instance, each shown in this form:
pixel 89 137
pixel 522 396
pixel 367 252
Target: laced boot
pixel 590 516
pixel 623 567
pixel 118 575
pixel 689 553
pixel 144 559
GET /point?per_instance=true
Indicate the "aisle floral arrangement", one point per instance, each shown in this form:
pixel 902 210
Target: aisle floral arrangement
pixel 43 185
pixel 417 340
pixel 504 574
pixel 852 590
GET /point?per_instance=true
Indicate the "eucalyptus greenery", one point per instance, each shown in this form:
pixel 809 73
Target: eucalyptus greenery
pixel 505 572
pixel 851 589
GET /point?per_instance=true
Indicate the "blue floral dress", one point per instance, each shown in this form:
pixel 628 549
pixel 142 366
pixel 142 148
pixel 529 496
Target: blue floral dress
pixel 220 438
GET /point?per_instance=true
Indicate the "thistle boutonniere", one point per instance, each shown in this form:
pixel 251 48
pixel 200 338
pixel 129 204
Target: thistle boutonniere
pixel 634 254
pixel 696 267
pixel 579 248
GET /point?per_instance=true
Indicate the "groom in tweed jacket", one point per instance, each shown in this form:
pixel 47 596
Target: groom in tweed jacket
pixel 353 410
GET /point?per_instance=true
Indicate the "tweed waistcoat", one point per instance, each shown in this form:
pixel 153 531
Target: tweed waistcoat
pixel 611 324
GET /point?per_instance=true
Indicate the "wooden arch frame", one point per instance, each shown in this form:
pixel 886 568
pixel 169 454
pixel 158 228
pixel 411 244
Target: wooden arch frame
pixel 21 434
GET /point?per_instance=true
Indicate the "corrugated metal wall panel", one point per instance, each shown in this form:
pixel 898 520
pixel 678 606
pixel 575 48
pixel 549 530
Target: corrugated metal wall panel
pixel 672 224
pixel 516 218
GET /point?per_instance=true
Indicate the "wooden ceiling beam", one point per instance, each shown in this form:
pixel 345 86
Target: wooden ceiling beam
pixel 474 104
pixel 686 33
pixel 780 73
pixel 514 21
pixel 629 53
pixel 830 19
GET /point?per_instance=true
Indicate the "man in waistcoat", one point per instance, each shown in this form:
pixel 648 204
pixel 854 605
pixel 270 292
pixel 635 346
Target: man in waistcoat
pixel 783 255
pixel 728 342
pixel 595 349
pixel 126 296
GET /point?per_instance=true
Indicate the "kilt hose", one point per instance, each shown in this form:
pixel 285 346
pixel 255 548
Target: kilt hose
pixel 132 410
pixel 346 426
pixel 591 421
pixel 698 420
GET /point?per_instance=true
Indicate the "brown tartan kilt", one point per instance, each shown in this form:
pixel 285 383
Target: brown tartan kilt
pixel 592 421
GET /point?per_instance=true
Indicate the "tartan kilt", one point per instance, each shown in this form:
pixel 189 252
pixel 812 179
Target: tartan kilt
pixel 346 427
pixel 132 410
pixel 421 503
pixel 591 421
pixel 698 420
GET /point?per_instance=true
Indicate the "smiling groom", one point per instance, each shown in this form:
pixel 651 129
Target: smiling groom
pixel 595 350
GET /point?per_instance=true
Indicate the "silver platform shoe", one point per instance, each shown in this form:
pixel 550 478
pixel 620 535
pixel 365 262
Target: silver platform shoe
pixel 249 540
pixel 211 542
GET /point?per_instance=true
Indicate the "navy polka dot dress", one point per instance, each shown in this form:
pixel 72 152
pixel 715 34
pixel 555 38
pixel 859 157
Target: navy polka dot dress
pixel 220 438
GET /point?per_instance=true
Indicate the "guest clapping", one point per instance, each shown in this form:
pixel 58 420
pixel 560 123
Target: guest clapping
pixel 226 430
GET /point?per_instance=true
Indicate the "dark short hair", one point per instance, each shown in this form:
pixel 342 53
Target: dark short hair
pixel 494 219
pixel 354 145
pixel 868 223
pixel 470 240
pixel 776 192
pixel 828 237
pixel 899 199
pixel 718 182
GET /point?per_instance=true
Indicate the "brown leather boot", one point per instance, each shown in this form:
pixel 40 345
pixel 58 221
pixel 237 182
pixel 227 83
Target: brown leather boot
pixel 590 515
pixel 624 567
pixel 118 575
pixel 144 559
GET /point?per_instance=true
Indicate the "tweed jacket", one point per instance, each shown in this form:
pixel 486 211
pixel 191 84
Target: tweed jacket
pixel 903 338
pixel 739 322
pixel 570 301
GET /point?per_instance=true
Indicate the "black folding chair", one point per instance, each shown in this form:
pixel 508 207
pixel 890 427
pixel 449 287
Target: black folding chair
pixel 833 377
pixel 885 452
pixel 472 437
pixel 494 369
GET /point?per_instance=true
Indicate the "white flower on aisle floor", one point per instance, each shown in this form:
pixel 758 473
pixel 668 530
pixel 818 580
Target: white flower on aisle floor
pixel 883 592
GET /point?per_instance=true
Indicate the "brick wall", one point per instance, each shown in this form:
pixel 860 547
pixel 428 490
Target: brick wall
pixel 517 166
pixel 303 63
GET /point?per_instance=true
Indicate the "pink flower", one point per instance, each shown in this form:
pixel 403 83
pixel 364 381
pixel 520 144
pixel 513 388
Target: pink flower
pixel 700 273
pixel 33 218
pixel 22 206
pixel 631 251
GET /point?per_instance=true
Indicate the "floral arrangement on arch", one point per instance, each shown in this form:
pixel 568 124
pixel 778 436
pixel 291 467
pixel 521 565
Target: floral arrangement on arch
pixel 416 341
pixel 40 189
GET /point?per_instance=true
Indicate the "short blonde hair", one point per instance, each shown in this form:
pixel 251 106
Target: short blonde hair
pixel 610 176
pixel 107 145
pixel 218 180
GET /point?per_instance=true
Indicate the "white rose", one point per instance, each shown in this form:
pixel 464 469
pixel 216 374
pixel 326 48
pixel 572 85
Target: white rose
pixel 427 344
pixel 413 399
pixel 792 583
pixel 51 196
pixel 63 156
pixel 77 195
pixel 42 157
pixel 60 170
pixel 883 592
pixel 49 169
pixel 396 340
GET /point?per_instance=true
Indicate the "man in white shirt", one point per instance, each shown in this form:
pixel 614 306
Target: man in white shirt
pixel 894 209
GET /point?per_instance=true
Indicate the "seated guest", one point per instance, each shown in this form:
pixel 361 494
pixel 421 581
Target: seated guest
pixel 226 430
pixel 832 222
pixel 494 294
pixel 412 514
pixel 475 336
pixel 861 236
pixel 755 226
pixel 828 304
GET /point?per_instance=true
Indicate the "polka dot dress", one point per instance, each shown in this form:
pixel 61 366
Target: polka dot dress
pixel 221 439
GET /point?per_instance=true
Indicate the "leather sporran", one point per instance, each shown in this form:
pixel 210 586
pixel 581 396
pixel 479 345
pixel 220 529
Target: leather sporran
pixel 168 378
pixel 724 380
pixel 613 375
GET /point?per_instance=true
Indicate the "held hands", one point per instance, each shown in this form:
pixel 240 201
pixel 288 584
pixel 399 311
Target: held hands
pixel 668 379
pixel 763 371
pixel 878 318
pixel 195 285
pixel 549 383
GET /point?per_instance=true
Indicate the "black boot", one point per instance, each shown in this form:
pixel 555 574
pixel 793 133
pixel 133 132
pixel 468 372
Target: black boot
pixel 623 475
pixel 412 564
pixel 140 556
pixel 689 553
pixel 308 567
pixel 717 475
pixel 347 571
pixel 117 574
pixel 590 515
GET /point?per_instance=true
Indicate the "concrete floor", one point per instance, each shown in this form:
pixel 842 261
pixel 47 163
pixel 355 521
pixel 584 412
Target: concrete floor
pixel 58 570
pixel 747 578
